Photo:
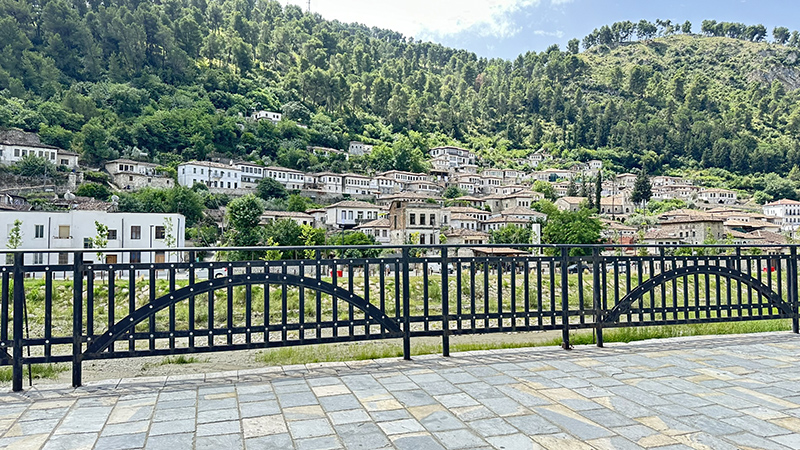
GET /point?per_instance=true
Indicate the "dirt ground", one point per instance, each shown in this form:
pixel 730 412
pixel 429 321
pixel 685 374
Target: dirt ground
pixel 247 359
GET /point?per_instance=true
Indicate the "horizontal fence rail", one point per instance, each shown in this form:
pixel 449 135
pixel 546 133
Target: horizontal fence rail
pixel 92 305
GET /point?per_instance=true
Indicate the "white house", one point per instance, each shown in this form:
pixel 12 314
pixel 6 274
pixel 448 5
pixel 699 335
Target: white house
pixel 273 117
pixel 290 179
pixel 455 155
pixel 66 231
pixel 300 218
pixel 359 148
pixel 717 196
pixel 251 173
pixel 349 213
pixel 784 212
pixel 378 228
pixel 329 182
pixel 219 178
pixel 17 144
pixel 356 184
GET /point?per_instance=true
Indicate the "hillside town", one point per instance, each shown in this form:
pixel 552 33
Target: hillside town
pixel 461 199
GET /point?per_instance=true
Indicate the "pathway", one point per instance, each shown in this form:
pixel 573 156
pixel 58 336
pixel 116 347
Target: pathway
pixel 720 392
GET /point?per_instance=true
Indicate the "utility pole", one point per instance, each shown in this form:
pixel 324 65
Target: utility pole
pixel 309 6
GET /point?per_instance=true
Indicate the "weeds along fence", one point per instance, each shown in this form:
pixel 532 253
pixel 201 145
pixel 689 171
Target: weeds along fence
pixel 93 306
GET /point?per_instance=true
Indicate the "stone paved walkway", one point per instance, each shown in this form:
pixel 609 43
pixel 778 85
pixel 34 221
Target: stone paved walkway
pixel 722 392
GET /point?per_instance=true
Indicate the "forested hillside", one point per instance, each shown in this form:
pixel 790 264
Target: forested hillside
pixel 176 79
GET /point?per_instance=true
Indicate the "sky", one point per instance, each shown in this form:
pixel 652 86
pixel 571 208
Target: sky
pixel 507 28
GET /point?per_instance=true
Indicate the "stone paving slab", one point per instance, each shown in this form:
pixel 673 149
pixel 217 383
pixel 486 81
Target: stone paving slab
pixel 717 392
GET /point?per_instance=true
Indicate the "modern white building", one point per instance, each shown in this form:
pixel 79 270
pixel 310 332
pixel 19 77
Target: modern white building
pixel 219 178
pixel 66 231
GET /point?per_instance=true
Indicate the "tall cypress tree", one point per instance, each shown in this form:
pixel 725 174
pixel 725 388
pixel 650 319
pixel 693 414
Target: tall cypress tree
pixel 598 190
pixel 641 189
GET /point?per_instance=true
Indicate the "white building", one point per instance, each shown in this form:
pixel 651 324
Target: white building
pixel 219 178
pixel 356 184
pixel 133 175
pixel 455 155
pixel 273 117
pixel 66 231
pixel 300 218
pixel 784 212
pixel 359 148
pixel 251 174
pixel 378 228
pixel 717 196
pixel 290 179
pixel 347 214
pixel 17 144
pixel 329 182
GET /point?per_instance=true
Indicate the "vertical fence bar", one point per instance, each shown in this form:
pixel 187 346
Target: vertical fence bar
pixel 77 317
pixel 445 305
pixel 48 314
pixel 192 261
pixel 793 290
pixel 565 299
pixel 19 300
pixel 112 301
pixel 596 283
pixel 4 308
pixel 406 306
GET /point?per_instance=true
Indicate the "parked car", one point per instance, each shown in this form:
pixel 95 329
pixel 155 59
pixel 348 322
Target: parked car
pixel 576 267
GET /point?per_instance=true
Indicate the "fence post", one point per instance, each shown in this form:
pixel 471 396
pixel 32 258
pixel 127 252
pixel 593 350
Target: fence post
pixel 404 264
pixel 77 317
pixel 445 305
pixel 565 299
pixel 19 300
pixel 793 291
pixel 596 285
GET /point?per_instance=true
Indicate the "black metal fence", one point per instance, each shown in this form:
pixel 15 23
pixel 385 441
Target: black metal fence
pixel 195 301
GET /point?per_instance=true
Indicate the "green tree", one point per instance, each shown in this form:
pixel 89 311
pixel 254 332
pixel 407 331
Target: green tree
pixel 34 166
pixel 781 35
pixel 94 190
pixel 572 227
pixel 511 234
pixel 642 191
pixel 244 216
pixel 545 188
pixel 452 191
pixel 100 239
pixel 14 239
pixel 269 188
pixel 352 238
pixel 598 190
pixel 572 188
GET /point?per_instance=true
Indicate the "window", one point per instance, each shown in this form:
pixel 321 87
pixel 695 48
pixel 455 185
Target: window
pixel 112 235
pixel 361 215
pixel 344 215
pixel 412 219
pixel 422 238
pixel 39 231
pixel 63 231
pixel 16 152
pixel 136 232
pixel 136 257
pixel 87 242
pixel 422 219
pixel 63 258
pixel 160 233
pixel 161 257
pixel 350 215
pixel 433 220
pixel 38 258
pixel 64 162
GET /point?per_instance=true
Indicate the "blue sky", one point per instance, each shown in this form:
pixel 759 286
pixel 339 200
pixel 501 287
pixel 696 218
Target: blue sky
pixel 507 28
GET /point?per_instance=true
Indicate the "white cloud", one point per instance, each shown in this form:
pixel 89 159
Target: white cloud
pixel 427 18
pixel 556 34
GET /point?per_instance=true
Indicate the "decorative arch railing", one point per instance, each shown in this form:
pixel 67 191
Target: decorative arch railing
pixel 63 307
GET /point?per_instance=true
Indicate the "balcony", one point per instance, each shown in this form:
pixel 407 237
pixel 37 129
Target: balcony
pixel 62 242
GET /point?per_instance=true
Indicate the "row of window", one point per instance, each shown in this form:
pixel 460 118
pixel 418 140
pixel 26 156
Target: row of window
pixel 348 215
pixel 135 258
pixel 412 219
pixel 64 233
pixel 216 173
pixel 41 153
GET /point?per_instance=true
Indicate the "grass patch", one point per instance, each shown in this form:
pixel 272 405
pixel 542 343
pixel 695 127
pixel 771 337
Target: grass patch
pixel 181 359
pixel 643 333
pixel 360 351
pixel 38 371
